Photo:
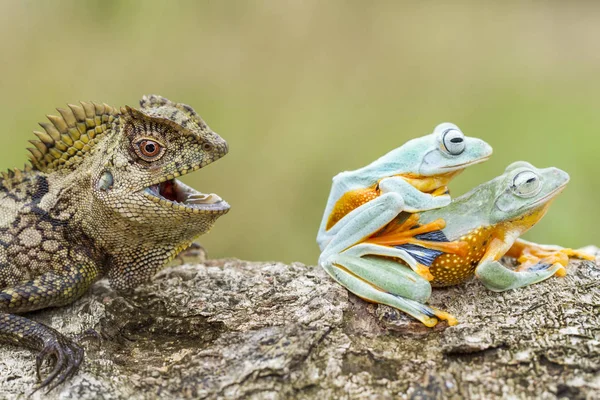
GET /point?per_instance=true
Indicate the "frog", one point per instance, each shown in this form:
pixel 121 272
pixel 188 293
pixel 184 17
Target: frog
pixel 410 178
pixel 482 226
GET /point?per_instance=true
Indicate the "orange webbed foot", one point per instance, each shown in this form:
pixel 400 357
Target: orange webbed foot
pixel 530 255
pixel 444 316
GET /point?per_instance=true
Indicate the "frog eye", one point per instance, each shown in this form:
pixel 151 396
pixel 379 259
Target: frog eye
pixel 526 184
pixel 149 150
pixel 453 141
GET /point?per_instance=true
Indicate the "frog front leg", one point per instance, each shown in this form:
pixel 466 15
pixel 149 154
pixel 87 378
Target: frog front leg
pixel 530 255
pixel 396 196
pixel 498 278
pixel 383 281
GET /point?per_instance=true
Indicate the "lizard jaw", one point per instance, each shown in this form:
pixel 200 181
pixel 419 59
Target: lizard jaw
pixel 175 194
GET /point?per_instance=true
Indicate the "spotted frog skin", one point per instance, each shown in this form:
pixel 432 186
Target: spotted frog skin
pixel 411 178
pixel 478 229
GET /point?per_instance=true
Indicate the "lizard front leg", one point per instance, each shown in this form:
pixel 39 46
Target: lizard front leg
pixel 48 290
pixel 21 331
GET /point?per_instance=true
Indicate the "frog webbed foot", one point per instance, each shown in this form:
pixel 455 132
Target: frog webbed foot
pixel 534 257
pixel 545 265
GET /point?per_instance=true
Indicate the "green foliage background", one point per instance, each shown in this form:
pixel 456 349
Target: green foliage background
pixel 304 89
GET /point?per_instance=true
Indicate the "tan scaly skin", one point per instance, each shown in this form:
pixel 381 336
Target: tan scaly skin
pixel 100 199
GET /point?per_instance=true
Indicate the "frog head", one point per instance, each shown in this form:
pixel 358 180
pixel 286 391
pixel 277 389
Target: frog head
pixel 444 151
pixel 524 192
pixel 449 150
pixel 429 162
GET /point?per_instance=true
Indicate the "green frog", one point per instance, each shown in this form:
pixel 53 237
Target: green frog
pixel 479 228
pixel 410 178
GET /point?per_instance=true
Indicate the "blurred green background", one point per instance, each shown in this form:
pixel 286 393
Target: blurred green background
pixel 304 89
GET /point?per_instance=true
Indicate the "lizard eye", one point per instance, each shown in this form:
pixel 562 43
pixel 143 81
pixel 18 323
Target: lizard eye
pixel 149 150
pixel 453 141
pixel 526 184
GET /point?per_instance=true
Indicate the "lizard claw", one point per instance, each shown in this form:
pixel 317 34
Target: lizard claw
pixel 67 358
pixel 88 335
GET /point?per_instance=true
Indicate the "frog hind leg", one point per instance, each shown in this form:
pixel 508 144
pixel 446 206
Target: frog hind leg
pixel 383 281
pixel 414 260
pixel 427 236
pixel 418 258
pixel 418 250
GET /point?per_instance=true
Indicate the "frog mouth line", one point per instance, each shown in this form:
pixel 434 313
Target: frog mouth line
pixel 468 163
pixel 175 194
pixel 549 196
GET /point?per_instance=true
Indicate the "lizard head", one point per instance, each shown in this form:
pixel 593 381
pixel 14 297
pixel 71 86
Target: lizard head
pixel 156 144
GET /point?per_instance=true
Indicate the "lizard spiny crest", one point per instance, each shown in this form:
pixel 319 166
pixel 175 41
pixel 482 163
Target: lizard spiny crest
pixel 100 199
pixel 68 137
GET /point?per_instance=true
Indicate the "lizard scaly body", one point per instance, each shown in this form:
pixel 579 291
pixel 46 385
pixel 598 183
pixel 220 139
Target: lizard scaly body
pixel 99 200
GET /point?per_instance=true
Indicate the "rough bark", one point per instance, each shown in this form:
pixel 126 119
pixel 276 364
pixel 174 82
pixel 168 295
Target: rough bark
pixel 236 329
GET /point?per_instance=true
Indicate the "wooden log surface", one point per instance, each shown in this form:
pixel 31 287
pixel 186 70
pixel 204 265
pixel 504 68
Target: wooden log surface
pixel 267 330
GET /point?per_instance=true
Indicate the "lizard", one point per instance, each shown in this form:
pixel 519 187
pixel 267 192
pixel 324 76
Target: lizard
pixel 410 178
pixel 486 224
pixel 99 199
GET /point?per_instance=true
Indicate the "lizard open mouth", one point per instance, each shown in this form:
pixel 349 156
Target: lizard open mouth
pixel 176 194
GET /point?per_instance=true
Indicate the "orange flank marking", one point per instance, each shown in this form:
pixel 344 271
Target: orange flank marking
pixel 350 201
pixel 435 185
